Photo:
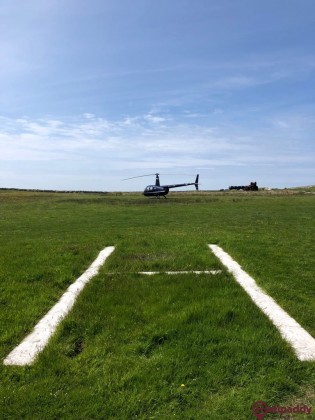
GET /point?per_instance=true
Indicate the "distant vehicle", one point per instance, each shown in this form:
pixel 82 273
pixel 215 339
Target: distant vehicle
pixel 251 187
pixel 158 190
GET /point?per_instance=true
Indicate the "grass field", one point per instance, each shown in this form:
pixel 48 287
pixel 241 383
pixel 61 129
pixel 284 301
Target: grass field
pixel 181 346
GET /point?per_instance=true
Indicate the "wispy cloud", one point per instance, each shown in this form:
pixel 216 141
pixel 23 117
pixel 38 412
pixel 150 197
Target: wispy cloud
pixel 89 149
pixel 149 137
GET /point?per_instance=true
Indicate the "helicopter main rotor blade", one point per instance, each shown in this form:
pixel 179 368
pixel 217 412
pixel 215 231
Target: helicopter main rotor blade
pixel 139 176
pixel 156 174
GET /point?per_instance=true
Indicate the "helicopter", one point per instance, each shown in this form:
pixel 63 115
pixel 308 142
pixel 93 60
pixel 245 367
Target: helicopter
pixel 158 190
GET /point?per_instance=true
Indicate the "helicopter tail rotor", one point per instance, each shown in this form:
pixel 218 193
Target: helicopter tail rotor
pixel 196 182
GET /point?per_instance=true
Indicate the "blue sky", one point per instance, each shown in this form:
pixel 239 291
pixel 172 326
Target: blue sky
pixel 95 91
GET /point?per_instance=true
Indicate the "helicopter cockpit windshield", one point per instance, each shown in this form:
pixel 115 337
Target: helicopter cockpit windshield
pixel 150 188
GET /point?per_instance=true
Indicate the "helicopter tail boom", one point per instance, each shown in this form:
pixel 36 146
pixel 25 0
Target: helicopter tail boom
pixel 184 185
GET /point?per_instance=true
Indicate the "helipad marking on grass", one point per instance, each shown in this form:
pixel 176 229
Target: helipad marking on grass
pixel 151 273
pixel 301 341
pixel 26 352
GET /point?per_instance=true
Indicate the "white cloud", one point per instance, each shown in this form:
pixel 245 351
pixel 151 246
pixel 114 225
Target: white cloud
pixel 282 124
pixel 156 119
pixel 95 146
pixel 89 116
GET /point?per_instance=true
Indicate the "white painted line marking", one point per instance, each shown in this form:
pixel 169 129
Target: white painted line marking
pixel 301 341
pixel 150 273
pixel 26 352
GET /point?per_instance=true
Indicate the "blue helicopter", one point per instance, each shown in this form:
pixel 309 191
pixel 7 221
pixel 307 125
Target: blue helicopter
pixel 159 190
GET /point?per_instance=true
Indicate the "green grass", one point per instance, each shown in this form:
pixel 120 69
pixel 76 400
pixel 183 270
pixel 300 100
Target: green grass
pixel 131 342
